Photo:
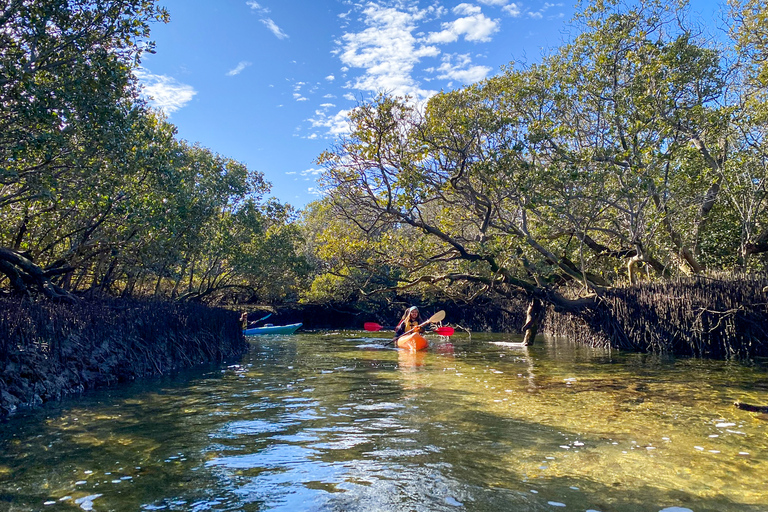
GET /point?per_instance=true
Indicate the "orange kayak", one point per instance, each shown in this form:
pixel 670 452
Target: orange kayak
pixel 413 342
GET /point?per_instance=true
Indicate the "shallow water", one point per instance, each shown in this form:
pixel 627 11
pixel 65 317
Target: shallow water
pixel 333 421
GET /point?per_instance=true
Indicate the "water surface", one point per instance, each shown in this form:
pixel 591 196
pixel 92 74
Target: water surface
pixel 333 421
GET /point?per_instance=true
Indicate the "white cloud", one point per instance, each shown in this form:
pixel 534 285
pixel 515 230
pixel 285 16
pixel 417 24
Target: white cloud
pixel 272 26
pixel 330 78
pixel 391 45
pixel 387 51
pixel 256 7
pixel 476 27
pixel 513 9
pixel 335 125
pixel 267 21
pixel 460 68
pixel 312 172
pixel 164 92
pixel 239 68
pixel 544 8
pixel 467 9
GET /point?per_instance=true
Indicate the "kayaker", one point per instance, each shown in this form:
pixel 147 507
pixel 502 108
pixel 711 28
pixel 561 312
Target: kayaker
pixel 411 320
pixel 244 320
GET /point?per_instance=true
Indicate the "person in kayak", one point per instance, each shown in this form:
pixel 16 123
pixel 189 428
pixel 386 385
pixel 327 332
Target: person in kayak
pixel 411 320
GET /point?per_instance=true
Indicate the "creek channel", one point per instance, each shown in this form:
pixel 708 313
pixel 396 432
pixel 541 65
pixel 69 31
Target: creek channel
pixel 334 421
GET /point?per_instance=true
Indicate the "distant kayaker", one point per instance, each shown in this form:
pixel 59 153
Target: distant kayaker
pixel 244 320
pixel 411 320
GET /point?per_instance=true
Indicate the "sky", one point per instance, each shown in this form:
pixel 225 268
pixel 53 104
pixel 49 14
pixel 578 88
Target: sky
pixel 268 82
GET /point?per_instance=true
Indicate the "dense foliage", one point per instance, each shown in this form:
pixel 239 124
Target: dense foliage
pixel 96 192
pixel 634 152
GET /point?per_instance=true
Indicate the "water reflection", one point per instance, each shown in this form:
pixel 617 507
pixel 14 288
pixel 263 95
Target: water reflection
pixel 408 360
pixel 341 422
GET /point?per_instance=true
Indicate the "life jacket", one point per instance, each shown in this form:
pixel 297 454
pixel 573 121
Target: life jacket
pixel 411 324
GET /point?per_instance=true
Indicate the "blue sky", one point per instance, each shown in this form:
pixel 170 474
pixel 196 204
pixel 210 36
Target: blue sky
pixel 268 82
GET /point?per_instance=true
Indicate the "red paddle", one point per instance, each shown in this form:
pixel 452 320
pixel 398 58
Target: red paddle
pixel 442 331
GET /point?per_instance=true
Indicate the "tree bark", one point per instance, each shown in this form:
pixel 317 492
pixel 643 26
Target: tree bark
pixel 23 273
pixel 533 316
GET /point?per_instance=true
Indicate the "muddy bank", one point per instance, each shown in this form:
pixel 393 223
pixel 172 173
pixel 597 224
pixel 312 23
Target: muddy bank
pixel 49 350
pixel 699 317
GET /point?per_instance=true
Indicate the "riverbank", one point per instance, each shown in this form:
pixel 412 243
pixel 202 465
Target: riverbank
pixel 699 317
pixel 50 350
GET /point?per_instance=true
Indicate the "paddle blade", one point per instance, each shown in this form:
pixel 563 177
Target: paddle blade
pixel 444 331
pixel 437 317
pixel 371 326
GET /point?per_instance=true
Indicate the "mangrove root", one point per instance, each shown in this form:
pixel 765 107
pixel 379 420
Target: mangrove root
pixel 750 407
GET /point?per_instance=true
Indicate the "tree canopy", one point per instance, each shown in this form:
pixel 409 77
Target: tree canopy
pixel 97 194
pixel 635 151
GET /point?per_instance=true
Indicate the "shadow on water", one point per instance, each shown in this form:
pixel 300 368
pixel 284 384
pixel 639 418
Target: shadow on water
pixel 335 421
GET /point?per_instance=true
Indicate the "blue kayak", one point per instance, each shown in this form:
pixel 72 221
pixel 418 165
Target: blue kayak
pixel 272 329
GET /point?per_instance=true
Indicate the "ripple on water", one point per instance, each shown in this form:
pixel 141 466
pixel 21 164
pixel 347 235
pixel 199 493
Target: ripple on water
pixel 530 431
pixel 380 406
pixel 237 429
pixel 275 456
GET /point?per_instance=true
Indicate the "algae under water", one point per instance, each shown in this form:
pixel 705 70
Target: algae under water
pixel 333 421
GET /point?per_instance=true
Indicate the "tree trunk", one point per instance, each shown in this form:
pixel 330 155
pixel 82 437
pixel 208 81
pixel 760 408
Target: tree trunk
pixel 632 268
pixel 191 277
pixel 159 282
pixel 106 281
pixel 23 273
pixel 131 278
pixel 177 283
pixel 533 317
